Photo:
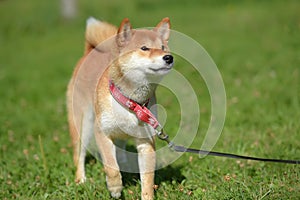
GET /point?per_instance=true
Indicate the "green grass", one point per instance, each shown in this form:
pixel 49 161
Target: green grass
pixel 255 44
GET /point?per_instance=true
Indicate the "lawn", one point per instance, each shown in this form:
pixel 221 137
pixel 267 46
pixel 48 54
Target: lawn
pixel 256 46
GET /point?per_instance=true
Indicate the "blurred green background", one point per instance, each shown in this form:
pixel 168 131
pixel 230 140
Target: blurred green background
pixel 256 46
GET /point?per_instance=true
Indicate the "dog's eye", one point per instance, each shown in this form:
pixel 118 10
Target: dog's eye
pixel 162 47
pixel 144 48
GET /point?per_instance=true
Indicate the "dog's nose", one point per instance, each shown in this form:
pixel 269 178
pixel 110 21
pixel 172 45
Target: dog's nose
pixel 168 59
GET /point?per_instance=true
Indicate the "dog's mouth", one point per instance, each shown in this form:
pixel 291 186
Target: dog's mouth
pixel 162 69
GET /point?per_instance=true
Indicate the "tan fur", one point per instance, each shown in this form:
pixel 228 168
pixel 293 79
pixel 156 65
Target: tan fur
pixel 98 32
pixel 92 109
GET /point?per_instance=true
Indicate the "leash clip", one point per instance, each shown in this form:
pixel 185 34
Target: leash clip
pixel 165 137
pixel 160 133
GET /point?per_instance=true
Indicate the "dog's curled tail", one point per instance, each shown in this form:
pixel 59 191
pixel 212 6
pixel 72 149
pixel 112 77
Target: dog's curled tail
pixel 96 32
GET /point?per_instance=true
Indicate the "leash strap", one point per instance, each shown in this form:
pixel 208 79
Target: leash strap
pixel 145 115
pixel 228 155
pixel 161 135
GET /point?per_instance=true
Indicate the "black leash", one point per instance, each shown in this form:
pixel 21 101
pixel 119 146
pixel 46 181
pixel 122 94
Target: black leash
pixel 161 135
pixel 145 115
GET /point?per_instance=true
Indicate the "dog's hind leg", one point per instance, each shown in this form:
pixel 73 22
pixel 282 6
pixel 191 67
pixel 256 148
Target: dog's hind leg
pixel 87 130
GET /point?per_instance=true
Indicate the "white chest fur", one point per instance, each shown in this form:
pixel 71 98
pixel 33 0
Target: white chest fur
pixel 118 121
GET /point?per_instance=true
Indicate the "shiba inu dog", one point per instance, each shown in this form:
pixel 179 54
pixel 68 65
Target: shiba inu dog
pixel 132 62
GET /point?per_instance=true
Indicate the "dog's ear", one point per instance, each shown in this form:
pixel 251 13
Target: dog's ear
pixel 163 29
pixel 124 32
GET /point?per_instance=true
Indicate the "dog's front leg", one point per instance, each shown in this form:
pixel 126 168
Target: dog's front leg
pixel 111 167
pixel 146 159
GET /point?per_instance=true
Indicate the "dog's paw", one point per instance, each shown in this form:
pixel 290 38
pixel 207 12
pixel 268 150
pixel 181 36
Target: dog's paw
pixel 80 180
pixel 116 195
pixel 115 192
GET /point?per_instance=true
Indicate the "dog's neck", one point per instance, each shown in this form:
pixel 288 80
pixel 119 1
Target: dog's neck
pixel 140 94
pixel 139 91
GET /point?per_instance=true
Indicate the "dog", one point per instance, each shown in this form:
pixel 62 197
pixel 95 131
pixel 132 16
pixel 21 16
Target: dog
pixel 134 61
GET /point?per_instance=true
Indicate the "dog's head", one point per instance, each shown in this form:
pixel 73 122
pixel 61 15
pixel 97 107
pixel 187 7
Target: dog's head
pixel 144 53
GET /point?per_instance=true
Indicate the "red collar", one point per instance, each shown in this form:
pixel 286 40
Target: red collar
pixel 141 111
